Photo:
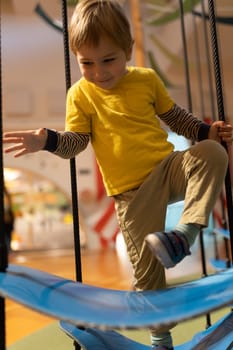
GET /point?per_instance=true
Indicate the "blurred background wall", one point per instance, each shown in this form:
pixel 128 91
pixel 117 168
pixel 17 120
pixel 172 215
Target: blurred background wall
pixel 33 80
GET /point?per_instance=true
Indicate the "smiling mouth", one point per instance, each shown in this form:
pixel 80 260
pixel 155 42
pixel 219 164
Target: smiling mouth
pixel 104 81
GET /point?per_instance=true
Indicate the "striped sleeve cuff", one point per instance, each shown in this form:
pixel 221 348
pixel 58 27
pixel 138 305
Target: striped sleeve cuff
pixel 203 132
pixel 52 141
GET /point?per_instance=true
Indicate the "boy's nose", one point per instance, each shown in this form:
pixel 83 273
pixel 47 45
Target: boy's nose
pixel 99 73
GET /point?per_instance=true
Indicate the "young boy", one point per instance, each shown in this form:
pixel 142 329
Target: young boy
pixel 119 108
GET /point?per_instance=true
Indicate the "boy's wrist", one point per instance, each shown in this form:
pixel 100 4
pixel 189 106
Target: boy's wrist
pixel 203 132
pixel 51 140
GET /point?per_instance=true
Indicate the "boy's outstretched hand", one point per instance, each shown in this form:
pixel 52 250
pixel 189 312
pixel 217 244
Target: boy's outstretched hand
pixel 25 141
pixel 222 132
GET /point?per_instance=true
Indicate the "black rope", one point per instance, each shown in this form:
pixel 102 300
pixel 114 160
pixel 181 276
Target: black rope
pixel 66 45
pixel 208 61
pixel 201 94
pixel 73 172
pixel 186 64
pixel 3 246
pixel 214 118
pixel 72 161
pixel 199 72
pixel 221 112
pixel 64 29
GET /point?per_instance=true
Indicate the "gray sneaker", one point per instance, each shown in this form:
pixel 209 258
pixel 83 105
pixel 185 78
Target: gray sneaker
pixel 169 247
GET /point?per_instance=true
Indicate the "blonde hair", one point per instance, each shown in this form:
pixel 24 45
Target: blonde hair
pixel 94 18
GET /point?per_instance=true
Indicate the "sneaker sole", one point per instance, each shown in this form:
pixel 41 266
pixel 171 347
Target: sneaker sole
pixel 159 250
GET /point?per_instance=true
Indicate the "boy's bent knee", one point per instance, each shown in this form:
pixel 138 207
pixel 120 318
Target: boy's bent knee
pixel 214 151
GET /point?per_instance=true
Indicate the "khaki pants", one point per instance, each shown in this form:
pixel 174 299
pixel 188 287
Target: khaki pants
pixel 195 175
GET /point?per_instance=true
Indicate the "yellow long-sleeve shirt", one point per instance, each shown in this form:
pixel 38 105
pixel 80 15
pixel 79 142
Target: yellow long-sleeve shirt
pixel 125 133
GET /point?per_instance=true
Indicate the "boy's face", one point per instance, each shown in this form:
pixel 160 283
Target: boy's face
pixel 103 65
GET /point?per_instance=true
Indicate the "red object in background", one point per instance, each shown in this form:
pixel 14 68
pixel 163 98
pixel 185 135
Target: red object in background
pixel 107 215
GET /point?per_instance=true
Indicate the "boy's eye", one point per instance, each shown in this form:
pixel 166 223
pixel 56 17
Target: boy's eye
pixel 109 59
pixel 86 63
pixel 89 63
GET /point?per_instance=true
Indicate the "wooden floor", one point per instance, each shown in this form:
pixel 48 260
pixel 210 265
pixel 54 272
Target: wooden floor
pixel 107 268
